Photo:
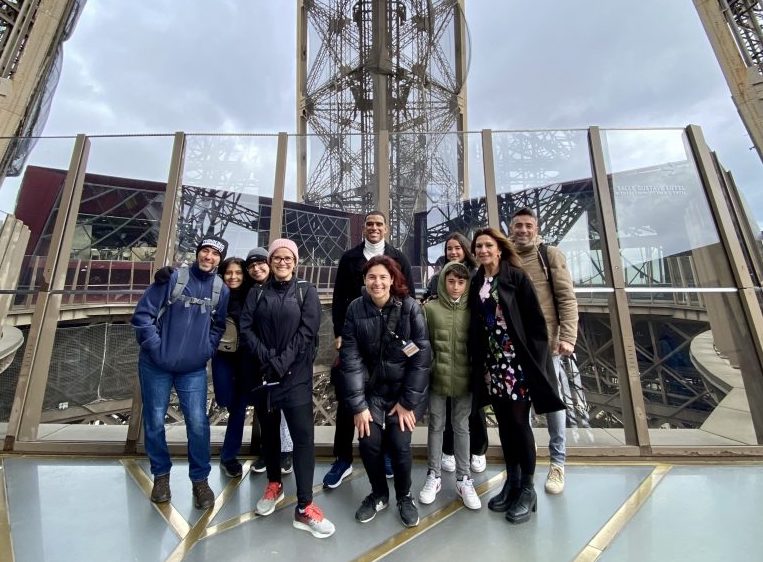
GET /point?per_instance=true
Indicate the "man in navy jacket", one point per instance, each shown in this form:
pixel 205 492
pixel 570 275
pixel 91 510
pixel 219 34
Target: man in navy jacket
pixel 177 337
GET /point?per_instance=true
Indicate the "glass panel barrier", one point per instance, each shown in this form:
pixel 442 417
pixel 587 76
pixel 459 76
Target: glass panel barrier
pixel 31 192
pixel 666 232
pixel 227 190
pixel 592 390
pixel 694 352
pixel 94 360
pixel 550 172
pixel 324 217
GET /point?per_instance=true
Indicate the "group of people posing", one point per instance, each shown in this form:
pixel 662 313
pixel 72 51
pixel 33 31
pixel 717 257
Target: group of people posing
pixel 490 332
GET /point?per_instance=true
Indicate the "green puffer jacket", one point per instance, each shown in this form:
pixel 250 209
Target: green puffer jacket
pixel 448 324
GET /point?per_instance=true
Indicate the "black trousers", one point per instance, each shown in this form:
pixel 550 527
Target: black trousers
pixel 477 431
pixel 517 439
pixel 300 422
pixel 344 432
pixel 397 444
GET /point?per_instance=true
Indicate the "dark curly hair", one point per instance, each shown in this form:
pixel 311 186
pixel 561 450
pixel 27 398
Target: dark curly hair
pixel 398 289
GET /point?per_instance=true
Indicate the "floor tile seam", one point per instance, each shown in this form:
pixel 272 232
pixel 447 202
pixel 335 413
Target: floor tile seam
pixel 6 539
pixel 199 528
pixel 624 514
pixel 179 525
pixel 429 522
pixel 288 501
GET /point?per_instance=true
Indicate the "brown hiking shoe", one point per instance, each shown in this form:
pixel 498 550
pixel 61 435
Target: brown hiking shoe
pixel 160 493
pixel 203 496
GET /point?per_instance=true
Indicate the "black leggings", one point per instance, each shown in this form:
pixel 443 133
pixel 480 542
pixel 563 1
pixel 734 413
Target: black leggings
pixel 517 440
pixel 344 432
pixel 300 422
pixel 397 444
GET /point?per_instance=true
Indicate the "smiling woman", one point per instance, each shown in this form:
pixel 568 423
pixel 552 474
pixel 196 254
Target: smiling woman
pixel 385 358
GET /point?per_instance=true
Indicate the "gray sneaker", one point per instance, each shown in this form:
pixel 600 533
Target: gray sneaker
pixel 160 493
pixel 203 496
pixel 267 503
pixel 311 519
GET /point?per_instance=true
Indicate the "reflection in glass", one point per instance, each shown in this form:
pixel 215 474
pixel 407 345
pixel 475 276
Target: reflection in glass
pixel 550 172
pixel 666 232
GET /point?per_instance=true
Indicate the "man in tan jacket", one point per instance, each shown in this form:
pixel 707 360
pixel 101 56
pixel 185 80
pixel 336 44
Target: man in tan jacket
pixel 547 267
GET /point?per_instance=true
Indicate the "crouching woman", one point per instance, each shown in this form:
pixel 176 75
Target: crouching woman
pixel 385 358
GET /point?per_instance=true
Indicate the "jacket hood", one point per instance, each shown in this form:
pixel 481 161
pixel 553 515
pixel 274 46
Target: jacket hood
pixel 442 292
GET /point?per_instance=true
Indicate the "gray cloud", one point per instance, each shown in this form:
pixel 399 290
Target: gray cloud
pixel 230 66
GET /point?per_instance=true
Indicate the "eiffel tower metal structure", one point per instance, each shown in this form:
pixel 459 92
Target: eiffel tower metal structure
pixel 367 66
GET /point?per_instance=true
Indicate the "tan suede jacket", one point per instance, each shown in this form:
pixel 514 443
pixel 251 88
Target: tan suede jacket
pixel 562 319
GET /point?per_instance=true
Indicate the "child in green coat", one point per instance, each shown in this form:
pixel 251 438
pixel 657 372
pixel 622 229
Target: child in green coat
pixel 448 322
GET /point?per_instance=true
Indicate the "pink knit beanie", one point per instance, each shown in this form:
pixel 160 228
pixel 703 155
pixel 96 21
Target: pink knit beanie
pixel 283 243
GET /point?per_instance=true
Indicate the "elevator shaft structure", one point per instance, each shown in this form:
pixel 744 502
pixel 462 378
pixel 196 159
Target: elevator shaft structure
pixel 369 66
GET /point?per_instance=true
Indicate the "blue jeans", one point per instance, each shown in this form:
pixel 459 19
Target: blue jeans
pixel 557 421
pixel 191 388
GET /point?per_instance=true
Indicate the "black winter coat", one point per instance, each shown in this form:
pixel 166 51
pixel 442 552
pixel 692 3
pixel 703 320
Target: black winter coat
pixel 349 280
pixel 396 377
pixel 280 339
pixel 527 328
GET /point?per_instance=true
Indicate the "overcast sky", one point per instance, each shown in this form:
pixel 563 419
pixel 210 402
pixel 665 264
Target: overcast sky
pixel 229 66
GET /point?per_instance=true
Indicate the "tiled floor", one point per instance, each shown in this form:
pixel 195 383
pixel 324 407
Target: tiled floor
pixel 81 509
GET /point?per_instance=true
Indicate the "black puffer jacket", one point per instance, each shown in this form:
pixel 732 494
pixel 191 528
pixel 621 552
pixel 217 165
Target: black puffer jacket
pixel 526 326
pixel 279 337
pixel 396 377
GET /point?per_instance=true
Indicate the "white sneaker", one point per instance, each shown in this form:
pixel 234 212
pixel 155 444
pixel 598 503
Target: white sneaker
pixel 429 492
pixel 448 463
pixel 465 489
pixel 478 463
pixel 555 479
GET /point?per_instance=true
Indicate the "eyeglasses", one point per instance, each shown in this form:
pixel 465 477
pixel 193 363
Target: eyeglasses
pixel 287 260
pixel 258 264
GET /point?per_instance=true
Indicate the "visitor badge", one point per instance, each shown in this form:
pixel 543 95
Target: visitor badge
pixel 410 349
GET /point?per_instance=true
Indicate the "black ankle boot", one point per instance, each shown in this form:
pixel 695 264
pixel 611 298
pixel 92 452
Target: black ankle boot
pixel 500 502
pixel 527 502
pixel 509 492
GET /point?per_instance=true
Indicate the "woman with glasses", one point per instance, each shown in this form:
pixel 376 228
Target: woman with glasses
pixel 511 363
pixel 279 329
pixel 259 270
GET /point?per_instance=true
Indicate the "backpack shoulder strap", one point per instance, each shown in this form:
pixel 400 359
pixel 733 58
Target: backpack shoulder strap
pixel 543 256
pixel 180 282
pixel 302 287
pixel 217 287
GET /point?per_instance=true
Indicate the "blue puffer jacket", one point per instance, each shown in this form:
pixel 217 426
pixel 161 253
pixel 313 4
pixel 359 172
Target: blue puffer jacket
pixel 185 337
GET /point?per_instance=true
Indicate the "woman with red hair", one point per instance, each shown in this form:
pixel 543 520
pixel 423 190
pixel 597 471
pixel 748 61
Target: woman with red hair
pixel 385 359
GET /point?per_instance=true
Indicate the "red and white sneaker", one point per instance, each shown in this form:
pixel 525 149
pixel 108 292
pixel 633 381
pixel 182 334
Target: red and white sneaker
pixel 311 519
pixel 273 494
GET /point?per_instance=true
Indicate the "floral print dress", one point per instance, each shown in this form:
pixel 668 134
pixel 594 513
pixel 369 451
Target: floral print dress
pixel 503 375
